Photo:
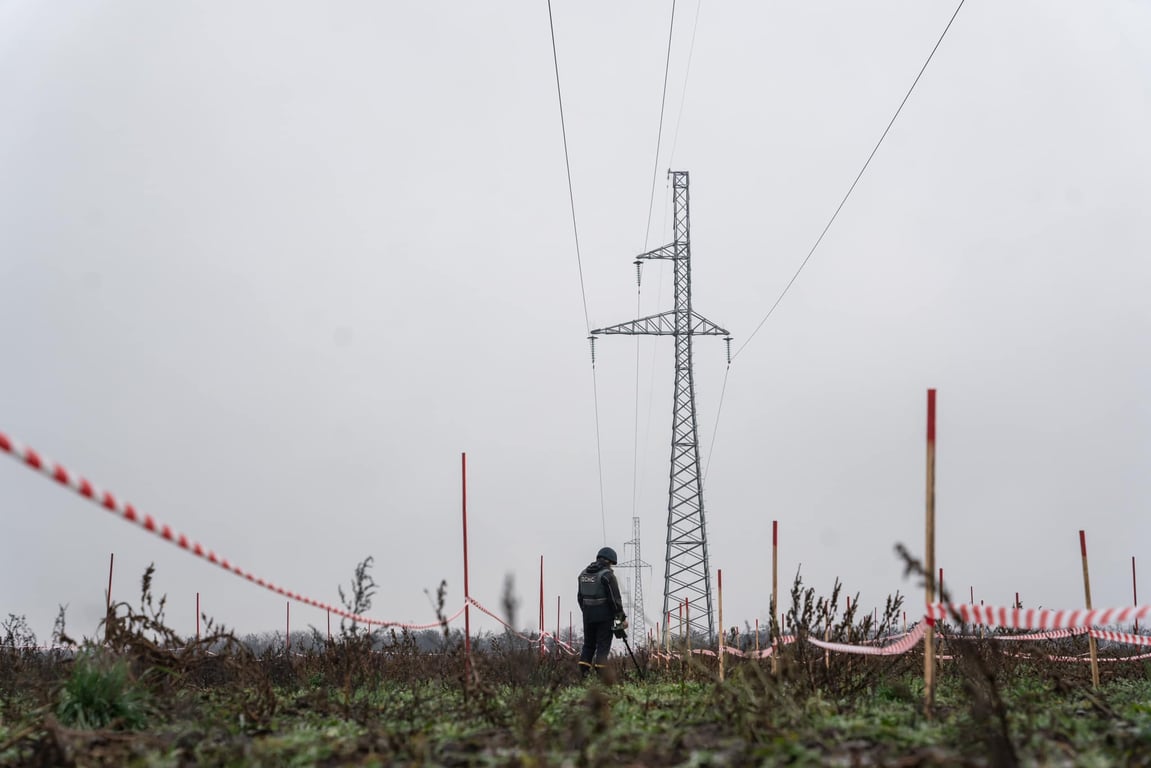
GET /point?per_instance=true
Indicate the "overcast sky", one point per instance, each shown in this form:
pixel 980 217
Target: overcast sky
pixel 268 268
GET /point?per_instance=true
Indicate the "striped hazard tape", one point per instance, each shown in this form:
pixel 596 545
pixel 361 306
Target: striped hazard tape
pixel 1120 637
pixel 903 645
pixel 1030 618
pixel 85 488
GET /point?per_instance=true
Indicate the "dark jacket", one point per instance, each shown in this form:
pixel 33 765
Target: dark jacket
pixel 599 596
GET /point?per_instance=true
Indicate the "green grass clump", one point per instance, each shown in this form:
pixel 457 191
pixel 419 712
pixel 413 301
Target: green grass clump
pixel 101 694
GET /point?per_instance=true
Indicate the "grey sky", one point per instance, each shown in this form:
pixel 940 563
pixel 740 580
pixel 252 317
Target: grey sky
pixel 266 269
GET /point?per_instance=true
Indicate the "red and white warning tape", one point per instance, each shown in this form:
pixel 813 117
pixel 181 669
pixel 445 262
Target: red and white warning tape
pixel 1101 659
pixel 1030 618
pixel 1120 637
pixel 534 641
pixel 1053 634
pixel 902 645
pixel 126 511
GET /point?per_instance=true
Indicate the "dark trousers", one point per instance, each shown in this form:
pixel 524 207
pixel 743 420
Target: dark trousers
pixel 596 643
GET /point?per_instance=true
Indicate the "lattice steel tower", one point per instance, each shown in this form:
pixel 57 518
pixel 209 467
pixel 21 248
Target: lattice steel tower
pixel 686 571
pixel 638 619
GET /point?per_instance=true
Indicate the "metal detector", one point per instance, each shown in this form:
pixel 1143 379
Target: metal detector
pixel 622 635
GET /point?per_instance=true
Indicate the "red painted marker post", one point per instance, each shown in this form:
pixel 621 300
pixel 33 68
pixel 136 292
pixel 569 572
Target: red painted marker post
pixel 1087 596
pixel 687 620
pixel 467 594
pixel 929 564
pixel 1134 591
pixel 774 597
pixel 719 584
pixel 542 649
pixel 108 599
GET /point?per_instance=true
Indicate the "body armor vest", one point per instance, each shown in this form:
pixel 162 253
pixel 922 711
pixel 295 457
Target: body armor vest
pixel 592 588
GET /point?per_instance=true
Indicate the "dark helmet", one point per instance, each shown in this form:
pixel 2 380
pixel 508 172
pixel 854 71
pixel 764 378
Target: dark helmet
pixel 607 553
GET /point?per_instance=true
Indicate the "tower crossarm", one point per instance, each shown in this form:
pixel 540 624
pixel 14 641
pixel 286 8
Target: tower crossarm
pixel 662 324
pixel 663 252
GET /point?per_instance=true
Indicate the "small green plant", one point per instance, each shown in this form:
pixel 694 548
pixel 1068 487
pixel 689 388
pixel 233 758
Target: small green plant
pixel 101 694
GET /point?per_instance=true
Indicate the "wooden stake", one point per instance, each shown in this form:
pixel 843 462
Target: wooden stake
pixel 108 600
pixel 1134 591
pixel 467 594
pixel 929 563
pixel 827 639
pixel 774 597
pixel 542 649
pixel 687 622
pixel 1091 644
pixel 719 583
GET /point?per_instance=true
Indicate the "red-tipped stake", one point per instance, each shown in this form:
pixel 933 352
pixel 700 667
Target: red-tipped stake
pixel 542 649
pixel 719 586
pixel 1087 597
pixel 1134 591
pixel 467 594
pixel 687 621
pixel 774 596
pixel 108 599
pixel 929 565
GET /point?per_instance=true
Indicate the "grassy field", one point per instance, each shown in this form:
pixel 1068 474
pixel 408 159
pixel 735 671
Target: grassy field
pixel 144 696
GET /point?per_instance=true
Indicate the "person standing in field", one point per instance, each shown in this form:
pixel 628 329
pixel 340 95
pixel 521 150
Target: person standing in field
pixel 602 607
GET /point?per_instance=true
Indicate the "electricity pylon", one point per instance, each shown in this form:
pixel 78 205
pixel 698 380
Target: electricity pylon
pixel 687 575
pixel 637 619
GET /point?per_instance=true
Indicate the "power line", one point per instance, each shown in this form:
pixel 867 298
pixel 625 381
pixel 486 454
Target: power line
pixel 579 265
pixel 715 431
pixel 719 409
pixel 851 189
pixel 659 135
pixel 686 74
pixel 568 167
pixel 646 237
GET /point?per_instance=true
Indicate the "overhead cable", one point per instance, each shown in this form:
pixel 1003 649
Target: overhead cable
pixel 851 189
pixel 579 265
